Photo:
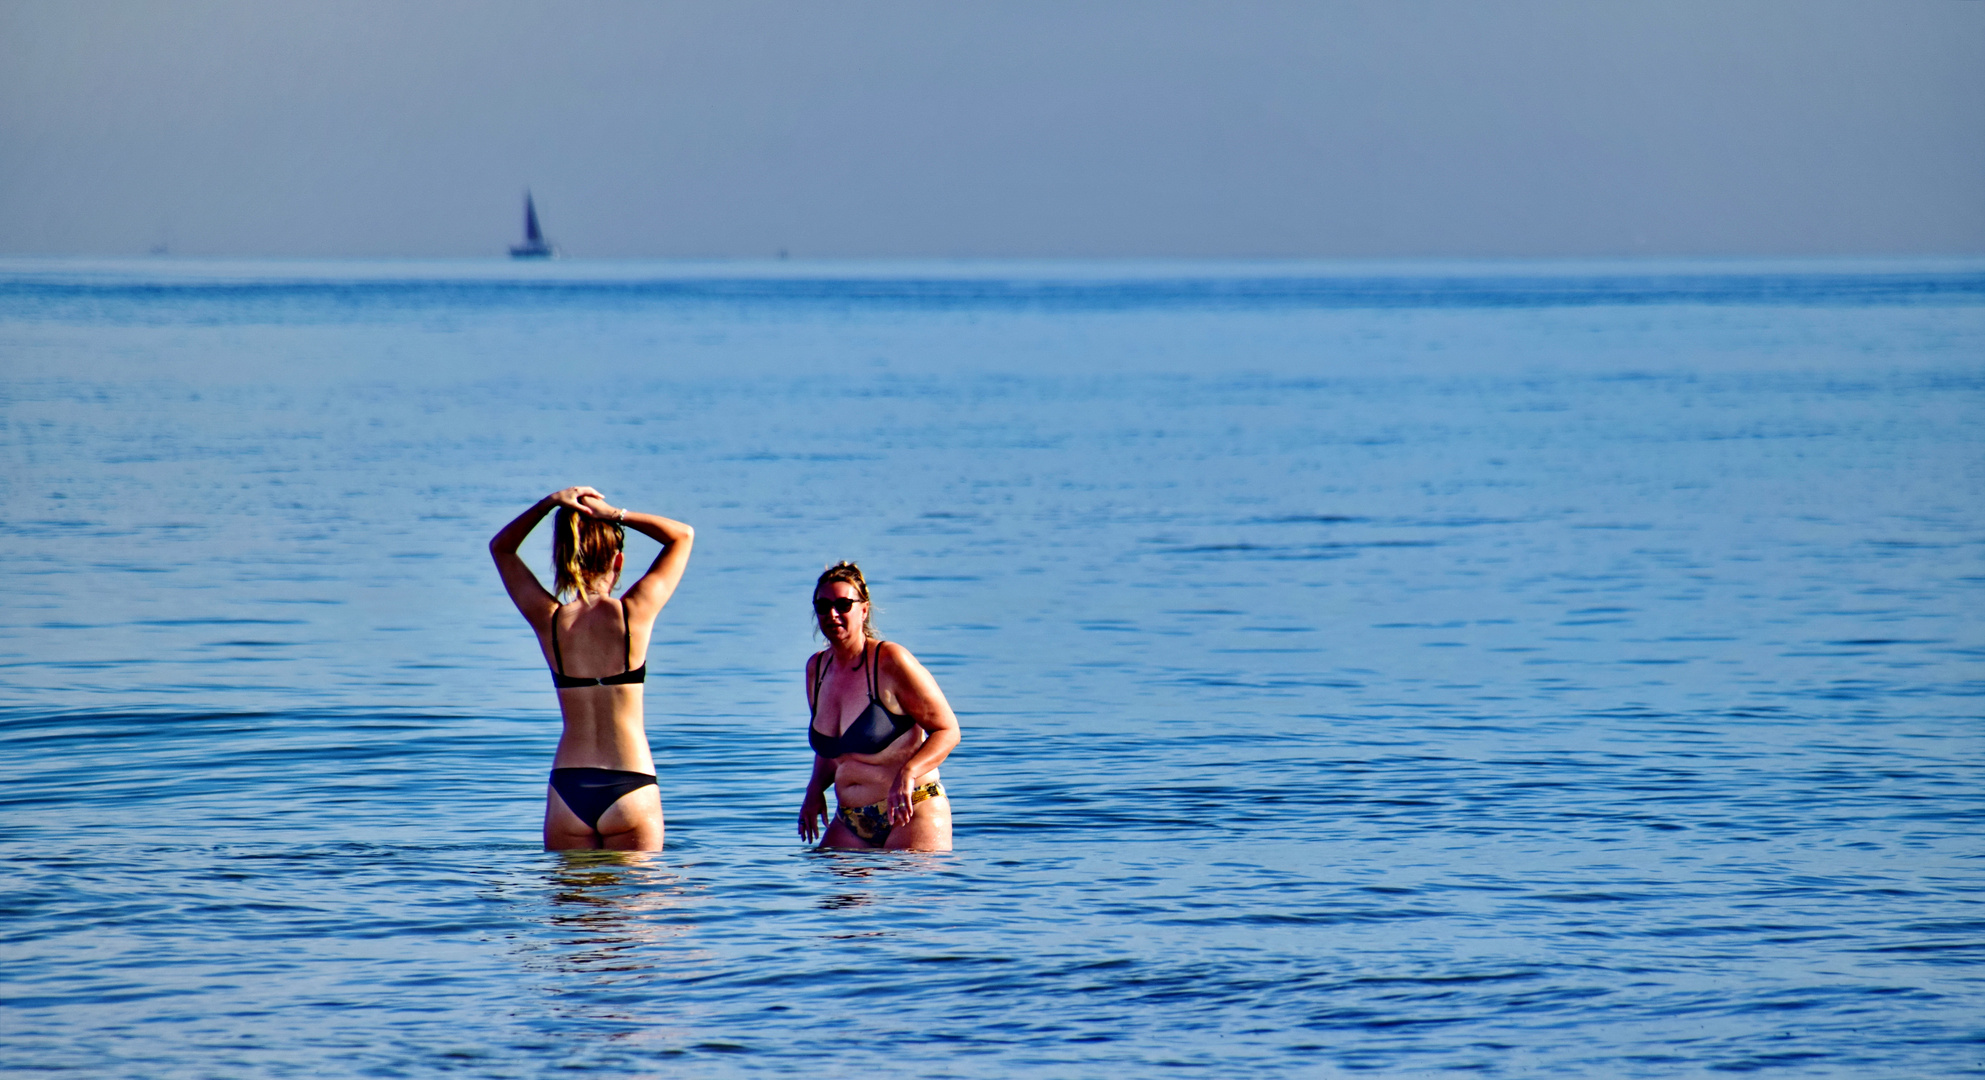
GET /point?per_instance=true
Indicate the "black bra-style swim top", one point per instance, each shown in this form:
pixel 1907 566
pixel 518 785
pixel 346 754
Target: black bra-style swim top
pixel 566 682
pixel 872 731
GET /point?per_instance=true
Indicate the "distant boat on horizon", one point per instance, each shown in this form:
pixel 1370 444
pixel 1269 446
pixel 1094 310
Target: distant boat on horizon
pixel 534 245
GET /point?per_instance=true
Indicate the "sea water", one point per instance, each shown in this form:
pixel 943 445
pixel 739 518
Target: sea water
pixel 1503 669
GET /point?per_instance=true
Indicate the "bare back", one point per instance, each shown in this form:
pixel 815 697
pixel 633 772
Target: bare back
pixel 604 724
pixel 602 791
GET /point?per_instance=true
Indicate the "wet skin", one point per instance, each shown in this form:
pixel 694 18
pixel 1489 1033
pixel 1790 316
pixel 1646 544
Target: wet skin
pixel 603 725
pixel 903 686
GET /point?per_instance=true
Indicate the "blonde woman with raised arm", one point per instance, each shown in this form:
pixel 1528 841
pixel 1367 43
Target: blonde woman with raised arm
pixel 602 792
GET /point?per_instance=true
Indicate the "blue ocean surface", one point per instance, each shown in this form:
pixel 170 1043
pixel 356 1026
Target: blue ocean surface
pixel 1528 669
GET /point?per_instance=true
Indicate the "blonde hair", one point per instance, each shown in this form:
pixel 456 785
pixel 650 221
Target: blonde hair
pixel 582 551
pixel 845 571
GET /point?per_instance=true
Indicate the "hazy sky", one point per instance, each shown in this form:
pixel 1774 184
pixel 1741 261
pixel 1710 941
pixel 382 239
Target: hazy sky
pixel 1078 127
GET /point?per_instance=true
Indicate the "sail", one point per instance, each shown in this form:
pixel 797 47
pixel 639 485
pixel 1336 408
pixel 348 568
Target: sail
pixel 534 246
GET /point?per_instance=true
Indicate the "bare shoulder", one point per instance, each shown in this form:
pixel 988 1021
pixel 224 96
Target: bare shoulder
pixel 916 689
pixel 893 659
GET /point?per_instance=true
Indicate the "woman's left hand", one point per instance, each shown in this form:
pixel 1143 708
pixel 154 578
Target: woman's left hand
pixel 901 790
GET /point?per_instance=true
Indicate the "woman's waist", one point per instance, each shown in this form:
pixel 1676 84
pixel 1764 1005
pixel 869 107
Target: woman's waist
pixel 631 763
pixel 863 788
pixel 615 746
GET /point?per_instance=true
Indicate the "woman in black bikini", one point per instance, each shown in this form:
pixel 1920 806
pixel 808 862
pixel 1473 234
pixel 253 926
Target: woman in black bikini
pixel 603 791
pixel 880 728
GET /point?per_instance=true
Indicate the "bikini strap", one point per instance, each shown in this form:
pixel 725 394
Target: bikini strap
pixel 874 664
pixel 813 691
pixel 557 660
pixel 626 639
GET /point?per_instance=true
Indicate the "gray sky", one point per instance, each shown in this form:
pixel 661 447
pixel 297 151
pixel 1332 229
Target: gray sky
pixel 1076 127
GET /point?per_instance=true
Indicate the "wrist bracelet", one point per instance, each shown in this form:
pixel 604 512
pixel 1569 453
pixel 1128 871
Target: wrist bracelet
pixel 621 518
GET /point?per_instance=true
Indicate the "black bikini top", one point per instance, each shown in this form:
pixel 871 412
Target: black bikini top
pixel 566 682
pixel 872 731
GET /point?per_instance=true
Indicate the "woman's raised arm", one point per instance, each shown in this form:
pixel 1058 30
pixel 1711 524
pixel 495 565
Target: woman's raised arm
pixel 647 596
pixel 525 591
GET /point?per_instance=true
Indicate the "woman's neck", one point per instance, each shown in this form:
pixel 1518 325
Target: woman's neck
pixel 849 655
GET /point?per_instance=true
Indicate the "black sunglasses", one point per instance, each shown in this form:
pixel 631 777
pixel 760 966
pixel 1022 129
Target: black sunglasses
pixel 822 605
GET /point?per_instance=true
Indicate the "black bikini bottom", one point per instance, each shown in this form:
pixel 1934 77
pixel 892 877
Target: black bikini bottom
pixel 590 791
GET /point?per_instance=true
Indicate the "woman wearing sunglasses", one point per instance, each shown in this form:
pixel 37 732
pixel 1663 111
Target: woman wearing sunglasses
pixel 880 728
pixel 602 792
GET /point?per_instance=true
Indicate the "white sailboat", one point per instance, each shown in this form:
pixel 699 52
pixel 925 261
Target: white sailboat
pixel 534 245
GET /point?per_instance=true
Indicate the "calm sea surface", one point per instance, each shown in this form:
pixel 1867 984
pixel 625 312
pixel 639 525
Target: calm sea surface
pixel 1515 670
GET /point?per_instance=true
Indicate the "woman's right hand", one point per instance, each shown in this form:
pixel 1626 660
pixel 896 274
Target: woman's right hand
pixel 600 508
pixel 571 498
pixel 813 815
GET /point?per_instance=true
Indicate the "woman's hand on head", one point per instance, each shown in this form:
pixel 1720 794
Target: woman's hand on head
pixel 599 508
pixel 572 498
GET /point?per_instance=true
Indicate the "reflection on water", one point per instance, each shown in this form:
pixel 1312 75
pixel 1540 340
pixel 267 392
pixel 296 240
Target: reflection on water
pixel 607 908
pixel 615 942
pixel 837 901
pixel 867 867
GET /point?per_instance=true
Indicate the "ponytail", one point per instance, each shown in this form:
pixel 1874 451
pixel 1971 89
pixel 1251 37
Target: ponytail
pixel 582 551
